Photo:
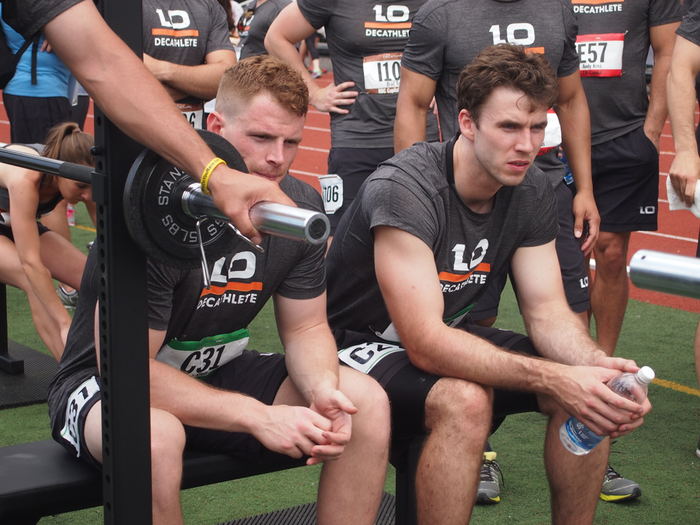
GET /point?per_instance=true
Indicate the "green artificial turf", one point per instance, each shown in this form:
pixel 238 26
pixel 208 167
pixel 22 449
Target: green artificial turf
pixel 660 455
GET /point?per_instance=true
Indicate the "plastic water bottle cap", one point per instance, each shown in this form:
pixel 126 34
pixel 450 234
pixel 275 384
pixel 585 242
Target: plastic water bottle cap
pixel 646 374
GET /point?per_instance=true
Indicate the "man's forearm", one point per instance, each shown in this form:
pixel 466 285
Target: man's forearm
pixel 200 81
pixel 410 124
pixel 559 335
pixel 681 107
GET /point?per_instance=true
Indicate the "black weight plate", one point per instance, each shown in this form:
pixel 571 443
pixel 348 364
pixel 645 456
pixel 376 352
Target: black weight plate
pixel 155 217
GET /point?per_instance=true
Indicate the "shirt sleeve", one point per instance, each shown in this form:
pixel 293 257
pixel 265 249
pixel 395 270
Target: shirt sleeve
pixel 425 48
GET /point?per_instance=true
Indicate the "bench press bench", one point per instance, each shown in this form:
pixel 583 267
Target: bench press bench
pixel 41 479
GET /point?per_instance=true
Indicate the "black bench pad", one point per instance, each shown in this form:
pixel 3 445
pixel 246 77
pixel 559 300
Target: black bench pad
pixel 41 479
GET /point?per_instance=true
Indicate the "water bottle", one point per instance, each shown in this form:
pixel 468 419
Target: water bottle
pixel 577 438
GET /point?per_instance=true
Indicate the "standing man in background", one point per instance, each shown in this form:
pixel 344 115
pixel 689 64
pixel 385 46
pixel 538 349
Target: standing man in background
pixel 187 48
pixel 626 123
pixel 681 96
pixel 366 40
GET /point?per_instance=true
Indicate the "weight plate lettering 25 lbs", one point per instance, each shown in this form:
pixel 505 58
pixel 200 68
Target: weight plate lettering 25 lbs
pixel 155 215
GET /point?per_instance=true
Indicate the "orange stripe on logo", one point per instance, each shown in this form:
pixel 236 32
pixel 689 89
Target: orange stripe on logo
pixel 388 25
pixel 236 287
pixel 455 278
pixel 173 32
pixel 539 50
pixel 596 2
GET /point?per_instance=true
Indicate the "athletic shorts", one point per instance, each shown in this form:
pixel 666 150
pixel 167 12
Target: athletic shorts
pixel 31 118
pixel 353 165
pixel 6 231
pixel 626 182
pixel 571 263
pixel 253 374
pixel 408 386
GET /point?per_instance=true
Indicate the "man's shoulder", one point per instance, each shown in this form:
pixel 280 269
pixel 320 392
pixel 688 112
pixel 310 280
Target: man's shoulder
pixel 303 194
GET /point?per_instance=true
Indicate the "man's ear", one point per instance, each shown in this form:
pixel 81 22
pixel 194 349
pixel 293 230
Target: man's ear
pixel 467 126
pixel 215 122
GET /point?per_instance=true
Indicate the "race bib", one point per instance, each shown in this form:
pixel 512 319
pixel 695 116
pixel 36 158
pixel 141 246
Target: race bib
pixel 332 192
pixel 76 402
pixel 365 357
pixel 552 133
pixel 382 73
pixel 194 113
pixel 600 55
pixel 201 358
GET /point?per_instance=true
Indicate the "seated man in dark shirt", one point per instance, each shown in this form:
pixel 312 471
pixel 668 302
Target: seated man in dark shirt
pixel 208 391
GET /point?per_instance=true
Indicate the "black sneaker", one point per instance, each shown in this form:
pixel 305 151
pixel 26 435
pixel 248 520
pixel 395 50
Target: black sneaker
pixel 617 488
pixel 489 490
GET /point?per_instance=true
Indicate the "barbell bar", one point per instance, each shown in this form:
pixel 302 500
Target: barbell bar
pixel 665 272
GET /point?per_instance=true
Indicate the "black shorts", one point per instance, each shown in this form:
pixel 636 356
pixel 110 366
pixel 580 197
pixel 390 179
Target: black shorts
pixel 252 373
pixel 408 386
pixel 571 263
pixel 6 231
pixel 626 182
pixel 353 165
pixel 31 118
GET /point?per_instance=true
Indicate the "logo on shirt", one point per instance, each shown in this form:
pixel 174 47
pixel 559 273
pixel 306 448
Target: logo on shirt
pixel 518 34
pixel 477 271
pixel 593 7
pixel 392 22
pixel 226 282
pixel 174 30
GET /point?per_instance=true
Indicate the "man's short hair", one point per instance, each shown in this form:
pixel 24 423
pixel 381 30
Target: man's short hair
pixel 509 66
pixel 242 82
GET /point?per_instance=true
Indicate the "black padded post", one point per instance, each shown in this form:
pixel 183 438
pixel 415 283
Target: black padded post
pixel 123 314
pixel 8 363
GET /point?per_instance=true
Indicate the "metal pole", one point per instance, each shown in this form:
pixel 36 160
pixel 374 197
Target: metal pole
pixel 123 316
pixel 664 272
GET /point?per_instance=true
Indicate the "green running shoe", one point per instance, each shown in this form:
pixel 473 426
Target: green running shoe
pixel 489 490
pixel 617 488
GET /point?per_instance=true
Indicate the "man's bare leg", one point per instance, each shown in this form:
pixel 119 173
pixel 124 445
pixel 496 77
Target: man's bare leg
pixel 458 418
pixel 350 488
pixel 574 481
pixel 167 446
pixel 610 289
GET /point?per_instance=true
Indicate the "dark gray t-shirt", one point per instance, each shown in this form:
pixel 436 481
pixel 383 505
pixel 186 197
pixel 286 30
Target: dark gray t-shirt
pixel 28 16
pixel 178 302
pixel 448 34
pixel 184 31
pixel 365 42
pixel 613 44
pixel 414 191
pixel 690 26
pixel 254 42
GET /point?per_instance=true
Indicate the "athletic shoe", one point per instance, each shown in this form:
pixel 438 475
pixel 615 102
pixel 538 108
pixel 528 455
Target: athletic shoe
pixel 697 450
pixel 489 489
pixel 69 299
pixel 617 488
pixel 89 245
pixel 317 73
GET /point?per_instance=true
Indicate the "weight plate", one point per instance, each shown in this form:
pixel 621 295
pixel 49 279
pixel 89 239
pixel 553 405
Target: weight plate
pixel 154 213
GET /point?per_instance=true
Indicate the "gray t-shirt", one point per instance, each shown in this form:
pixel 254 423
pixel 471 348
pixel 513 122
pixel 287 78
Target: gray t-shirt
pixel 178 303
pixel 448 34
pixel 414 191
pixel 254 42
pixel 28 16
pixel 365 41
pixel 613 44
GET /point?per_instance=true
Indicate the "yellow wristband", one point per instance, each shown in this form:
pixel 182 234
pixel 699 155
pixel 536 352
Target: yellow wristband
pixel 207 173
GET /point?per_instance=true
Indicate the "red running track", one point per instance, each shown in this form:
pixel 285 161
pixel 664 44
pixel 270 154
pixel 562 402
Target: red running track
pixel 677 233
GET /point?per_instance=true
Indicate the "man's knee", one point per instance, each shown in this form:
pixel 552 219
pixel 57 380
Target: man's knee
pixel 370 399
pixel 611 248
pixel 167 438
pixel 459 403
